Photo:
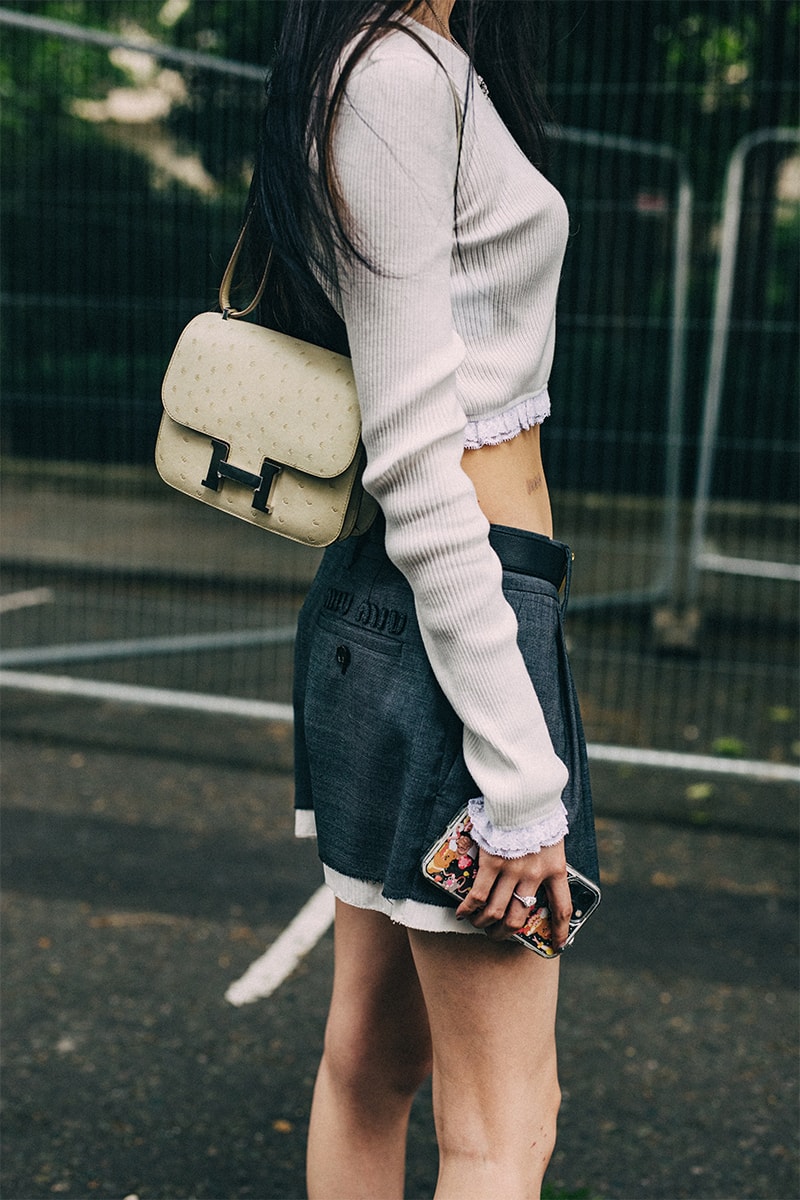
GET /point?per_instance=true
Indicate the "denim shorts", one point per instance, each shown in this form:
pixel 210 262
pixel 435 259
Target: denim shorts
pixel 379 767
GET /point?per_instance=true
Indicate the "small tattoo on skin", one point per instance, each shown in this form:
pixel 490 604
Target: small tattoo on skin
pixel 534 484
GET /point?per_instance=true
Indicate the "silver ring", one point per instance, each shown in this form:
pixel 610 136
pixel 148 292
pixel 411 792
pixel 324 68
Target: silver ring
pixel 528 901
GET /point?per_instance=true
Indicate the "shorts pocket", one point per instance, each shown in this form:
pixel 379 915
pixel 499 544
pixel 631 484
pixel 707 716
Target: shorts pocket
pixel 371 640
pixel 361 729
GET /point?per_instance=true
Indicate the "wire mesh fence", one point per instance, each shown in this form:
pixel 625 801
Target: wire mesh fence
pixel 127 140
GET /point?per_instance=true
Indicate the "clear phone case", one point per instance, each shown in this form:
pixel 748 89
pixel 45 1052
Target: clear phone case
pixel 450 864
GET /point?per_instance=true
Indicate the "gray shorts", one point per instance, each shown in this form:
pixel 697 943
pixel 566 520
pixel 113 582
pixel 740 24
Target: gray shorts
pixel 378 748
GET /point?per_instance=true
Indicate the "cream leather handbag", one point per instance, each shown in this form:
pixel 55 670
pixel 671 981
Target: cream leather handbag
pixel 264 426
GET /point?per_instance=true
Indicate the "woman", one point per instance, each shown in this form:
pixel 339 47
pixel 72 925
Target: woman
pixel 410 227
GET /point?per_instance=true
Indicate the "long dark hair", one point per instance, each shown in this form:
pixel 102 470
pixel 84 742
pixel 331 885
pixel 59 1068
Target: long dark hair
pixel 293 206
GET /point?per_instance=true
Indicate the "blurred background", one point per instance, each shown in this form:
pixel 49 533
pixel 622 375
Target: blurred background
pixel 147 643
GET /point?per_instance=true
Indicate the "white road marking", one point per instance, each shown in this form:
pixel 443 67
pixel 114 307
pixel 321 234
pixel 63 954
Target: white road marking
pixel 703 764
pixel 28 599
pixel 727 564
pixel 269 971
pixel 141 647
pixel 128 693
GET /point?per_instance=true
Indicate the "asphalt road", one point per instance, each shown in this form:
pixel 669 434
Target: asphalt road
pixel 148 860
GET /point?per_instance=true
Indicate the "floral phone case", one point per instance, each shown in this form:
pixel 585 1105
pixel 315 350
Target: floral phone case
pixel 450 865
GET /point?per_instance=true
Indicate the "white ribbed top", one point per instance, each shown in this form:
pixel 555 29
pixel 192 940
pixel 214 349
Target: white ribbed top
pixel 452 345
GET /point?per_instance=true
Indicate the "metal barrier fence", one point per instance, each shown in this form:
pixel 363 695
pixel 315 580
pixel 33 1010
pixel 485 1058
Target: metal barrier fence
pixel 679 201
pixel 115 234
pixel 700 557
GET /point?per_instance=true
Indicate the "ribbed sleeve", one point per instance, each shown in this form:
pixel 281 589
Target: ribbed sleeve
pixel 395 155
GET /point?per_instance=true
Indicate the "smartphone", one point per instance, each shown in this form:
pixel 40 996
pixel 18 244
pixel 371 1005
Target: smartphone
pixel 450 864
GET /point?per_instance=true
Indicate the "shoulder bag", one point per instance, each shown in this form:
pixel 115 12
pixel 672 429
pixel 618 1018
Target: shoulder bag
pixel 264 426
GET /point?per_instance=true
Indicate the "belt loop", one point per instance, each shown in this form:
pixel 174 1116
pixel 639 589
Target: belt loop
pixel 567 581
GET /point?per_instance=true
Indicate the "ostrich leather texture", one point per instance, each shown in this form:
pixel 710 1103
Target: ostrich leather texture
pixel 266 428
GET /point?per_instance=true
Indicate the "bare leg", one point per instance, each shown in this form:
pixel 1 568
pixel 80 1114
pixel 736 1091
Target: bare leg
pixel 491 1009
pixel 377 1053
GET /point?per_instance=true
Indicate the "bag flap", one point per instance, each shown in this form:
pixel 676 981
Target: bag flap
pixel 266 394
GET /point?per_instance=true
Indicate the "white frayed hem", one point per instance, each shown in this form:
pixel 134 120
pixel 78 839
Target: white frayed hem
pixel 366 893
pixel 305 823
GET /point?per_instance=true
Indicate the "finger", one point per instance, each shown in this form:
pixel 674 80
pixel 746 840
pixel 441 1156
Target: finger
pixel 512 921
pixel 490 894
pixel 560 905
pixel 481 889
pixel 494 915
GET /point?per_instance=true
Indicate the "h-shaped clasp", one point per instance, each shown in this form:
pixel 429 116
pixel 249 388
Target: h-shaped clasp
pixel 220 469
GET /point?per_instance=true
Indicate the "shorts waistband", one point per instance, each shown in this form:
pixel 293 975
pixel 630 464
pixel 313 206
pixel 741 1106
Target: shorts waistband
pixel 531 553
pixel 519 550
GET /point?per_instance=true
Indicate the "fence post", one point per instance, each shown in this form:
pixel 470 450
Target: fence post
pixel 699 560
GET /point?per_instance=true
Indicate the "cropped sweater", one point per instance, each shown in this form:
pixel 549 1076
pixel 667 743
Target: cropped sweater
pixel 451 331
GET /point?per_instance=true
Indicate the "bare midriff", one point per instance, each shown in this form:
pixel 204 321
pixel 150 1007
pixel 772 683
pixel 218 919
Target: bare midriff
pixel 510 484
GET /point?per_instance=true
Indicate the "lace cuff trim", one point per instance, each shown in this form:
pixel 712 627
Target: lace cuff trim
pixel 502 427
pixel 514 843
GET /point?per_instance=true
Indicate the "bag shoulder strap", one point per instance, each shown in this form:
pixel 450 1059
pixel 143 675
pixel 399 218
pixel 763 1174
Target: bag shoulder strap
pixel 227 280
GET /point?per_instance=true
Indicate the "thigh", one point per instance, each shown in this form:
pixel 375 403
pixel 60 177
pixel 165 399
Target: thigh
pixel 492 1010
pixel 378 1020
